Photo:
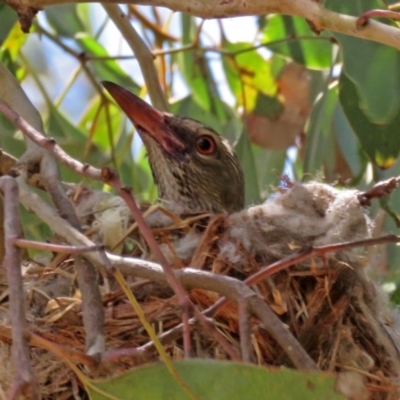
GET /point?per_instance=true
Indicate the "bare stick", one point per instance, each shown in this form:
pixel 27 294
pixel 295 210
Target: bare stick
pixel 245 331
pixel 24 381
pixel 320 251
pixel 363 19
pixel 379 190
pixel 142 53
pixel 58 248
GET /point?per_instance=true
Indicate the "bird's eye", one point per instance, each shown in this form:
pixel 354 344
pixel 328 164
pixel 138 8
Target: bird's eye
pixel 205 145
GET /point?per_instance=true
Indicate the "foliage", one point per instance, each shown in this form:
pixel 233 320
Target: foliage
pixel 215 380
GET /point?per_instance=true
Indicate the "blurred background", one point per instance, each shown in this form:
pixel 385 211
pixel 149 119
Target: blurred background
pixel 309 105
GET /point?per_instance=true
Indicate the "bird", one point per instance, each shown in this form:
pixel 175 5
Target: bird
pixel 194 168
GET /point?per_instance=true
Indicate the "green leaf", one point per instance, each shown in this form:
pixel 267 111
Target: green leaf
pixel 10 142
pixel 73 141
pixel 193 65
pixel 249 72
pixel 320 146
pixel 267 106
pixel 347 140
pixel 216 380
pixel 96 120
pixel 381 142
pixel 372 67
pixel 269 165
pixel 14 41
pixel 85 12
pixel 142 178
pixel 107 69
pixel 64 19
pixel 243 150
pixel 8 18
pixel 314 52
pixel 378 84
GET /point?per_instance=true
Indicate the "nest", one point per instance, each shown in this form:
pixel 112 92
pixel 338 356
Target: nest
pixel 337 314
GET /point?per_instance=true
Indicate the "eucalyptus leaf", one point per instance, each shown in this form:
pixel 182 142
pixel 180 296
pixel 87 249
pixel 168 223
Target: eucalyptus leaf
pixel 108 70
pixel 347 141
pixel 74 141
pixel 381 142
pixel 8 18
pixel 244 152
pixel 372 67
pixel 193 64
pixel 270 166
pixel 248 73
pixel 211 380
pixel 64 19
pixel 320 147
pixel 313 51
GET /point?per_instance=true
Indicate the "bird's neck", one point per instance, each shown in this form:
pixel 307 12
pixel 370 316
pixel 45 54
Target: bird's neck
pixel 172 190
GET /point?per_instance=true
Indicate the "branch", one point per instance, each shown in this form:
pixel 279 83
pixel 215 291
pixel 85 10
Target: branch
pixel 379 190
pixel 142 53
pixel 92 309
pixel 24 384
pixel 319 17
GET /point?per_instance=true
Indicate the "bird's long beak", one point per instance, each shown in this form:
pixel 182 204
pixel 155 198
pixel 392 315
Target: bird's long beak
pixel 147 120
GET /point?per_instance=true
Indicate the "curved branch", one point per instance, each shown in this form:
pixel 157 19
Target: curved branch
pixel 318 16
pixel 142 53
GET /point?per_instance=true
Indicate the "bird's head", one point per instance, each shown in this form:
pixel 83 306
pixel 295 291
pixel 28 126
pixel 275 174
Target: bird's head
pixel 195 169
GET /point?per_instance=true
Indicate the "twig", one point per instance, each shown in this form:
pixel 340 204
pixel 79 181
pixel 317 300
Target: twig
pixel 57 248
pixel 379 190
pixel 320 251
pixel 143 54
pixel 244 331
pixel 303 255
pixel 24 383
pixel 157 30
pixel 142 351
pixel 38 341
pixel 364 18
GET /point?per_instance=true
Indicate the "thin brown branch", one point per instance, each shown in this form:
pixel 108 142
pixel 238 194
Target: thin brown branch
pixel 62 352
pixel 25 383
pixel 143 54
pixel 379 190
pixel 157 30
pixel 320 251
pixel 38 341
pixel 364 18
pixel 244 331
pixel 57 248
